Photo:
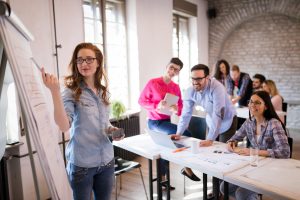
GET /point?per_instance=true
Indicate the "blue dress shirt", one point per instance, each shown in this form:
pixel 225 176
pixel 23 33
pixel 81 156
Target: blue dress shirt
pixel 89 145
pixel 215 101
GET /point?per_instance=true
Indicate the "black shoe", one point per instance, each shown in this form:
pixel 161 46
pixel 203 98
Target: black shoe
pixel 193 177
pixel 164 187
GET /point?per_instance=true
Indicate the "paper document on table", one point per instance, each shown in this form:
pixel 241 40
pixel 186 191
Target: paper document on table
pixel 171 99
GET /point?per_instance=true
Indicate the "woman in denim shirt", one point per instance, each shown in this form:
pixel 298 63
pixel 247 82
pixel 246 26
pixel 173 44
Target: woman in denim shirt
pixel 84 107
pixel 265 131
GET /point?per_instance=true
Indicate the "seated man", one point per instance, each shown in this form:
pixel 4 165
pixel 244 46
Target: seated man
pixel 257 82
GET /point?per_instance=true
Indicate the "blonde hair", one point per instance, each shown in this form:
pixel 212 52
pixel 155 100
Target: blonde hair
pixel 272 86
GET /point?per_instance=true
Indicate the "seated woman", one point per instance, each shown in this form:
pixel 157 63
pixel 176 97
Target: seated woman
pixel 276 99
pixel 265 131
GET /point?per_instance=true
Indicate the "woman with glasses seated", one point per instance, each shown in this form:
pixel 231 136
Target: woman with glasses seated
pixel 152 99
pixel 265 131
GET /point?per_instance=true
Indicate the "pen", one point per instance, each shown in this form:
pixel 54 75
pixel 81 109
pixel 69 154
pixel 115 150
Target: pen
pixel 180 149
pixel 35 63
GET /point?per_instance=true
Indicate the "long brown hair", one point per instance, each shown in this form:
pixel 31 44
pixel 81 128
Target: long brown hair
pixel 75 78
pixel 270 112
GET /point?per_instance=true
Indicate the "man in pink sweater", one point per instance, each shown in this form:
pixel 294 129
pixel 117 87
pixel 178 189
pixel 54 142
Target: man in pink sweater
pixel 152 99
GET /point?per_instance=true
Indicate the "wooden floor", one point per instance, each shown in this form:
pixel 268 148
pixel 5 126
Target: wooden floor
pixel 132 187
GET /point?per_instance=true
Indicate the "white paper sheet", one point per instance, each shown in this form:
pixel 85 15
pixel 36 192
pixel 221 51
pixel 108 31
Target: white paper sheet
pixel 41 128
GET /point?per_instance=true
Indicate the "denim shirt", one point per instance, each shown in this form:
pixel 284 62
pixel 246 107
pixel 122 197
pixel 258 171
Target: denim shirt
pixel 89 145
pixel 215 101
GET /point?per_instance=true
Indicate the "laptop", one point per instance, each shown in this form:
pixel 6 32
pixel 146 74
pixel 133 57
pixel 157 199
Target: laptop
pixel 163 140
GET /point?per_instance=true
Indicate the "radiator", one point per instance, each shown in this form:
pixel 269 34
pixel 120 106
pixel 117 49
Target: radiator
pixel 131 126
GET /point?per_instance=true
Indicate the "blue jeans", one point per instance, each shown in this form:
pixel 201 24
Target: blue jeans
pixel 83 181
pixel 165 127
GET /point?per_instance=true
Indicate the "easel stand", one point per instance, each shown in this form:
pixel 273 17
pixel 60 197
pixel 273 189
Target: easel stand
pixel 5 11
pixel 30 152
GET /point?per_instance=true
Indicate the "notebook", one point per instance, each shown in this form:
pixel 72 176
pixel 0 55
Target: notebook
pixel 171 99
pixel 163 140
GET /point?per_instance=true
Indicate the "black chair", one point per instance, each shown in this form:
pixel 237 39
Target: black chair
pixel 122 166
pixel 291 141
pixel 284 109
pixel 197 127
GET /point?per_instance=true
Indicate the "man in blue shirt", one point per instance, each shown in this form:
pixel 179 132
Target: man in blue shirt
pixel 221 115
pixel 211 95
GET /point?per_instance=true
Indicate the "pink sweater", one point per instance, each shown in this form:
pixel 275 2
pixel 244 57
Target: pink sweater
pixel 154 92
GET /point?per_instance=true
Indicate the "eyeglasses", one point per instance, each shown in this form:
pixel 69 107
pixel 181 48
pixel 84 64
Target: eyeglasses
pixel 197 79
pixel 174 69
pixel 88 60
pixel 255 103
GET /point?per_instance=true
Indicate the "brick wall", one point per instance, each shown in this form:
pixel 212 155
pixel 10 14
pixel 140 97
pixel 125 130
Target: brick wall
pixel 261 36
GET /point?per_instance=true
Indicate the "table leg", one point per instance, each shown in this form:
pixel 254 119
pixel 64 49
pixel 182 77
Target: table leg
pixel 216 188
pixel 159 189
pixel 150 179
pixel 204 186
pixel 226 197
pixel 168 182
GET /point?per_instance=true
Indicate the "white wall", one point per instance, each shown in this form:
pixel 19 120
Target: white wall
pixel 154 22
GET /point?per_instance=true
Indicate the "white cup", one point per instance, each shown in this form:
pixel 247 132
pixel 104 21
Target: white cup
pixel 195 146
pixel 254 156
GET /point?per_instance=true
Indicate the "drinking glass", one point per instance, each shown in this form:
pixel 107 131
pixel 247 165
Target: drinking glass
pixel 254 156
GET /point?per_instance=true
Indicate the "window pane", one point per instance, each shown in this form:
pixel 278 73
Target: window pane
pixel 181 48
pixel 116 49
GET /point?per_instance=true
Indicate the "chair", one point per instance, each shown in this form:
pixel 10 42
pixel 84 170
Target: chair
pixel 284 109
pixel 123 166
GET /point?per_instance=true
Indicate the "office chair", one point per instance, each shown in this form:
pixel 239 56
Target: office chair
pixel 290 139
pixel 284 109
pixel 123 166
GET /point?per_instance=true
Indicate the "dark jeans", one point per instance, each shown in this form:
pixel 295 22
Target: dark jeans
pixel 165 127
pixel 83 181
pixel 224 137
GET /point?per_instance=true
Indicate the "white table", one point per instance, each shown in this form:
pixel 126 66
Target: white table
pixel 215 160
pixel 145 147
pixel 278 178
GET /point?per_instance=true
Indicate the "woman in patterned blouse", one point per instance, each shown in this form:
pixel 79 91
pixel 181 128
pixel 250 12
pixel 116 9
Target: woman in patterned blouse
pixel 265 131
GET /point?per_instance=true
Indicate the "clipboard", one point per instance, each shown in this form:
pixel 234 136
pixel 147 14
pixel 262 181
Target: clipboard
pixel 171 99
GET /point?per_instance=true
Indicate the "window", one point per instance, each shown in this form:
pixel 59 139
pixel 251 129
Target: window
pixel 181 47
pixel 115 47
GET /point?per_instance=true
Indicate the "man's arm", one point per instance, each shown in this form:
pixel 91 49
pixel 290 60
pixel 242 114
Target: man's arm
pixel 218 112
pixel 187 111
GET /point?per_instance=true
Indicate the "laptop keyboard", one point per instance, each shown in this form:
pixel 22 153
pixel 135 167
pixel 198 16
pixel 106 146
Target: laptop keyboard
pixel 178 145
